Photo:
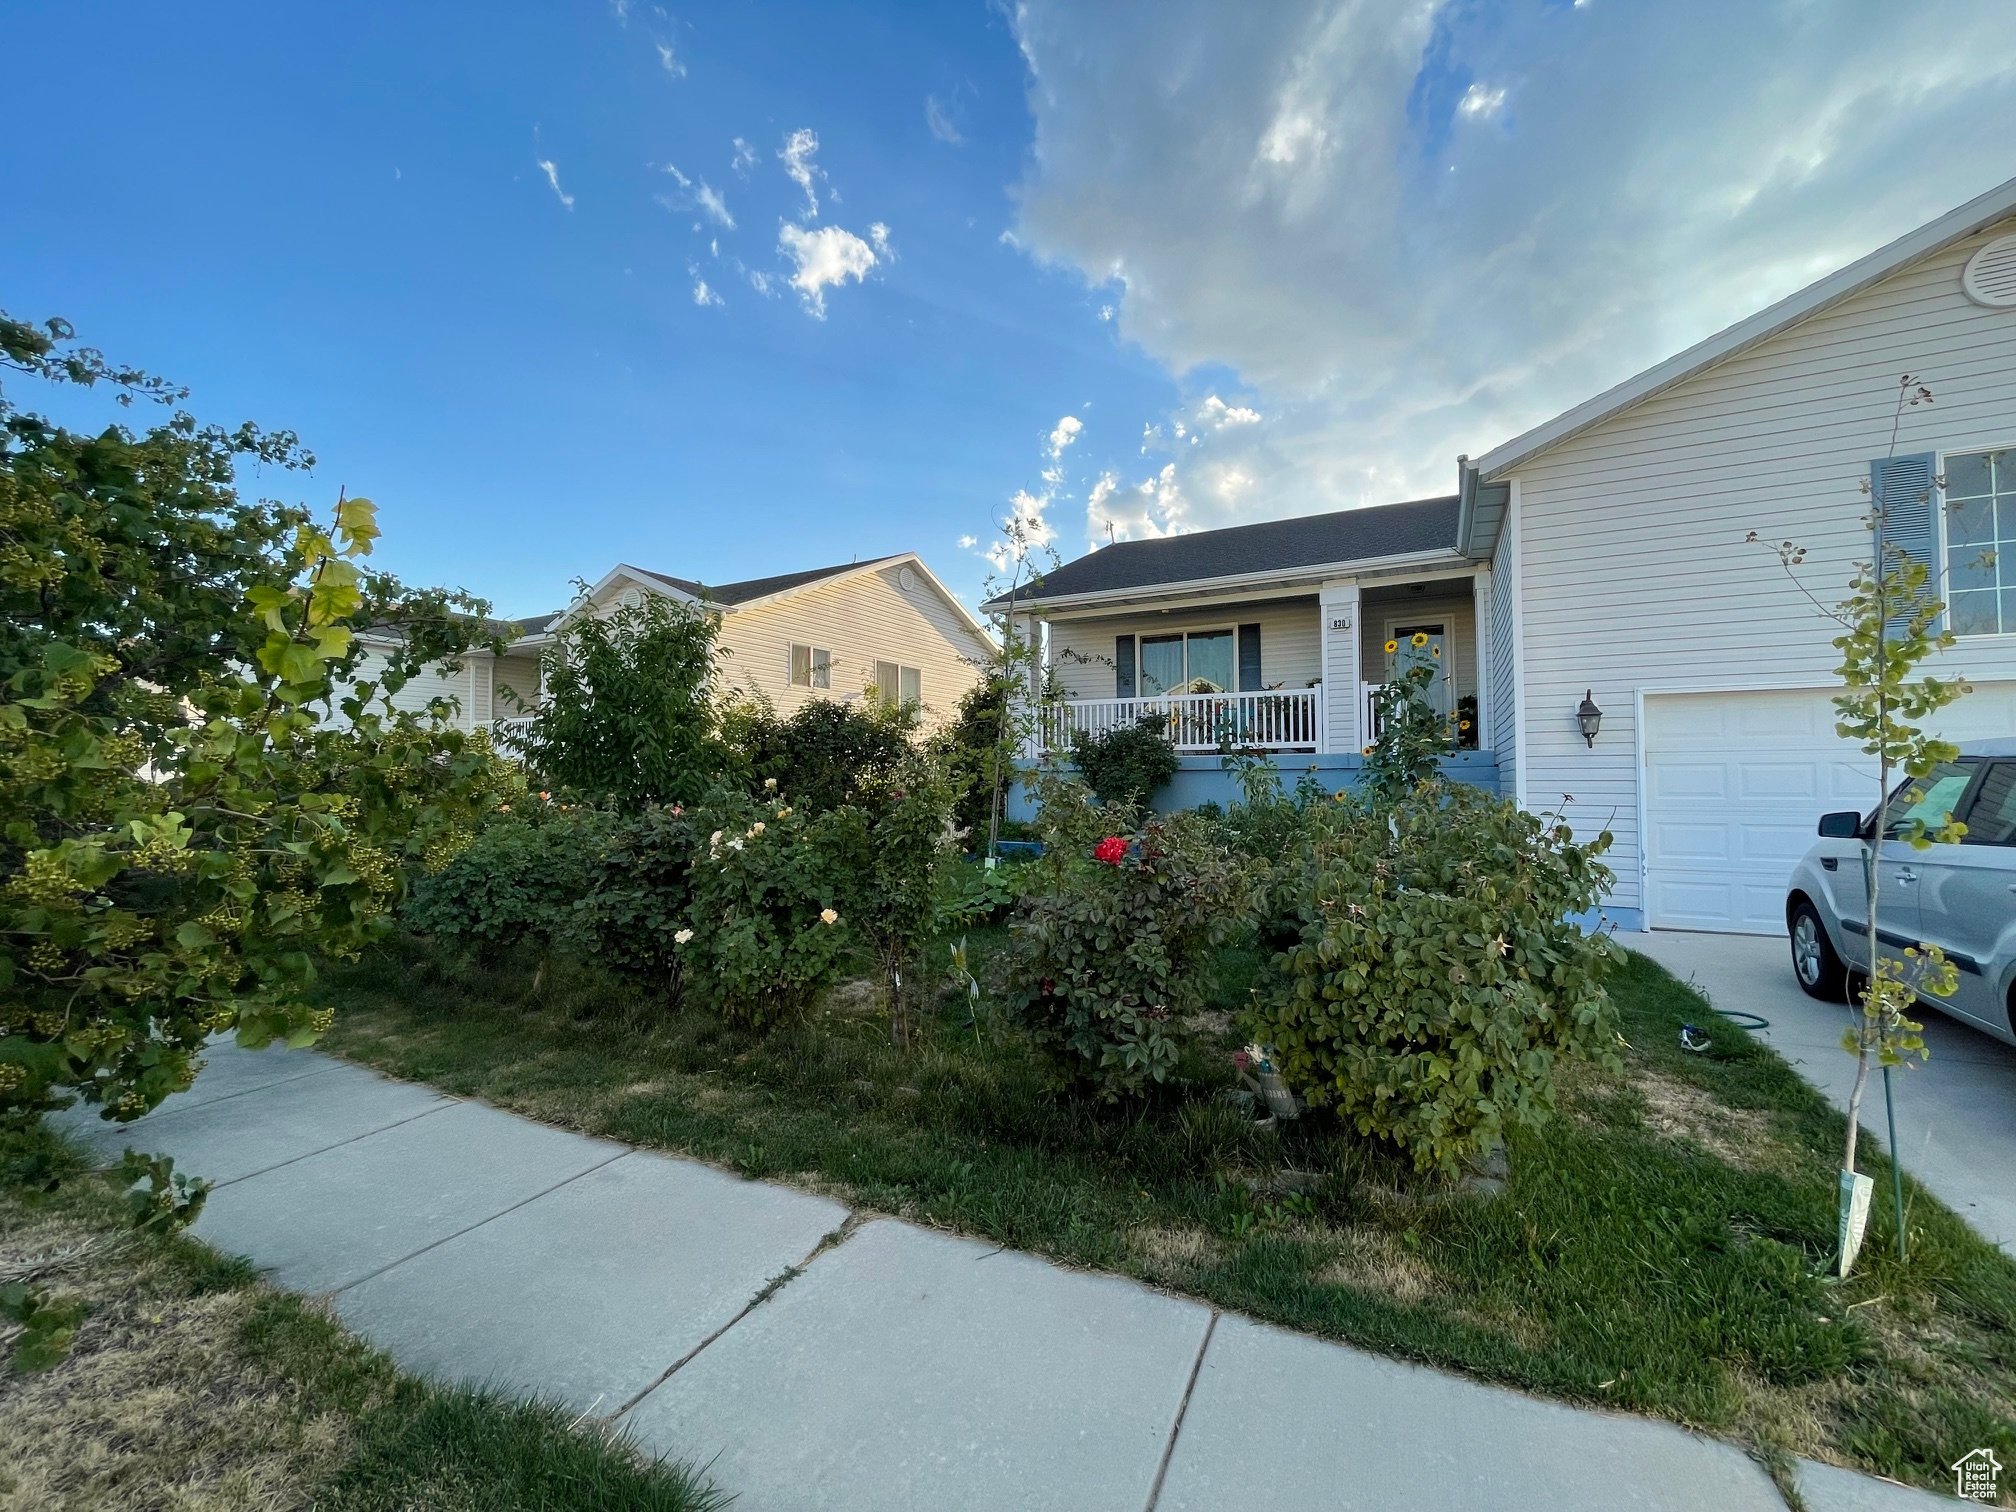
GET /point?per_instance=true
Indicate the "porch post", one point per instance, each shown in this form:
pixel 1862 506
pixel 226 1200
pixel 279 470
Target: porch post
pixel 1338 606
pixel 1029 632
pixel 1480 612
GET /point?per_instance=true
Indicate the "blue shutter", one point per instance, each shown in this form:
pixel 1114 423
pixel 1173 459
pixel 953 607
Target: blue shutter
pixel 1903 491
pixel 1249 658
pixel 1123 666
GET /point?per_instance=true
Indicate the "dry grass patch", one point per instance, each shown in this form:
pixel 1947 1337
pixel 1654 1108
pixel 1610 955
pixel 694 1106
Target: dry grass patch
pixel 1168 1253
pixel 1744 1137
pixel 157 1409
pixel 1375 1260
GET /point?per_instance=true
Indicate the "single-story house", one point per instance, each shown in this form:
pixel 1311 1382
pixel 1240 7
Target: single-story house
pixel 1604 557
pixel 886 626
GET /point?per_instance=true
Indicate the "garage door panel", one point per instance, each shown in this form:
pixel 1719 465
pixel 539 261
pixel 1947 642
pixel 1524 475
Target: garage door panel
pixel 1735 784
pixel 1703 780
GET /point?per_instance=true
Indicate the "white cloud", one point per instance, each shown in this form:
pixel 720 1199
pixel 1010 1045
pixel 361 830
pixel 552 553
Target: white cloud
pixel 1217 414
pixel 797 154
pixel 1105 312
pixel 744 158
pixel 669 60
pixel 824 258
pixel 1480 102
pixel 706 199
pixel 552 172
pixel 677 177
pixel 1063 434
pixel 709 199
pixel 1269 192
pixel 938 117
pixel 967 542
pixel 621 10
pixel 879 235
pixel 703 296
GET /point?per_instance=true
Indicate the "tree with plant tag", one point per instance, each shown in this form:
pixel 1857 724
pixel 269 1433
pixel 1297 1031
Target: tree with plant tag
pixel 1891 623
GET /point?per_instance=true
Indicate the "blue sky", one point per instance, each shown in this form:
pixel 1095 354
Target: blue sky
pixel 1150 267
pixel 333 219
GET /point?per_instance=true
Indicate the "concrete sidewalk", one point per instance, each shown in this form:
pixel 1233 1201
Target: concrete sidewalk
pixel 1956 1113
pixel 812 1361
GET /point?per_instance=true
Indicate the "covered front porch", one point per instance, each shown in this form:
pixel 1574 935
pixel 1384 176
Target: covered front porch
pixel 1286 673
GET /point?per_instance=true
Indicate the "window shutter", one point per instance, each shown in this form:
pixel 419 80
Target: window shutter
pixel 1123 666
pixel 1907 513
pixel 1249 658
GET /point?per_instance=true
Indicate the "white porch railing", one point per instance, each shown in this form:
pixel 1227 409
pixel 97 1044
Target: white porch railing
pixel 1281 719
pixel 509 734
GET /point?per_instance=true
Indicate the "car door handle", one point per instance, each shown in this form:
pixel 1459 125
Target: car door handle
pixel 1907 875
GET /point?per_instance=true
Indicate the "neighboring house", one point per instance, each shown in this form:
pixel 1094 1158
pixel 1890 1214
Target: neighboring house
pixel 886 626
pixel 1269 636
pixel 1623 523
pixel 1605 554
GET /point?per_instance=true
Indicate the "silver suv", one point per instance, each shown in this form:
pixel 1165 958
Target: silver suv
pixel 1961 897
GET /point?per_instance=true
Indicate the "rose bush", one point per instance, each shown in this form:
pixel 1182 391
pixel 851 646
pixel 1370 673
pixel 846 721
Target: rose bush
pixel 1112 950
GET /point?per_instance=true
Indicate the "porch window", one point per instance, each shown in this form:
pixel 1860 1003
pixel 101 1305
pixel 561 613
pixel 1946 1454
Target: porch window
pixel 1172 663
pixel 1981 543
pixel 811 667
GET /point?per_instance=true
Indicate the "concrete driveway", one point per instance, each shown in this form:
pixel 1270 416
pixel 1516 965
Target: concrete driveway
pixel 1956 1113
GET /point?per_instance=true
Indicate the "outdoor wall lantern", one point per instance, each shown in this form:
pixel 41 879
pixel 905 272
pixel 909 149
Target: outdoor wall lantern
pixel 1589 717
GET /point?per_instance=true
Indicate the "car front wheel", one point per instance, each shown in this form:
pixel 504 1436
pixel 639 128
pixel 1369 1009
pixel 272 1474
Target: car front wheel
pixel 1814 962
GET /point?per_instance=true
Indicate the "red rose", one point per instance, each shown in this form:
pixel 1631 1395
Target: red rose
pixel 1112 850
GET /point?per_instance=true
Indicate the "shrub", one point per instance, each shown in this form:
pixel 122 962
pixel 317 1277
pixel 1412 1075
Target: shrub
pixel 766 887
pixel 1114 934
pixel 628 719
pixel 972 748
pixel 892 849
pixel 638 899
pixel 521 879
pixel 1429 978
pixel 1129 763
pixel 827 754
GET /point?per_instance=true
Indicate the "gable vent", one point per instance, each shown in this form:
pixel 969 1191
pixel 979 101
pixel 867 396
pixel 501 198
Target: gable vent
pixel 1990 275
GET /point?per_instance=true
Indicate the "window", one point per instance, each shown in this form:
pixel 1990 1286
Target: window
pixel 1991 819
pixel 1933 798
pixel 894 684
pixel 1981 543
pixel 811 667
pixel 1172 663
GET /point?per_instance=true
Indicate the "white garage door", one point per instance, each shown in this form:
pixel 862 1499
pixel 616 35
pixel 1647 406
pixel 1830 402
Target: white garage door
pixel 1734 784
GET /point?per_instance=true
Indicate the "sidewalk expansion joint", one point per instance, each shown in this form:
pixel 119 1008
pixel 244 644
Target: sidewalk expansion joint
pixel 1182 1410
pixel 768 1290
pixel 281 1165
pixel 471 1228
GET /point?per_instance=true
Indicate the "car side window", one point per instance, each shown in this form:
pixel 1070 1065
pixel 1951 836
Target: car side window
pixel 1991 817
pixel 1932 799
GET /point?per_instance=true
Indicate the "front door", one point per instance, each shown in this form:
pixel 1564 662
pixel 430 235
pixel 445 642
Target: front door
pixel 1417 645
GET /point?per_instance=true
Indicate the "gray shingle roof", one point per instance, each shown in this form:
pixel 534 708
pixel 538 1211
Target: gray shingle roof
pixel 1349 535
pixel 728 595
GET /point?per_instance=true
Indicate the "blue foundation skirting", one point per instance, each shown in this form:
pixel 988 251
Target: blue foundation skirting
pixel 1203 779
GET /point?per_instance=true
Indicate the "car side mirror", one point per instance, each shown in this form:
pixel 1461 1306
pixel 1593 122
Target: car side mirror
pixel 1846 825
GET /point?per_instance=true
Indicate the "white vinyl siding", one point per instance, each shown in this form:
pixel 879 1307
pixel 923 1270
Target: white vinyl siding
pixel 520 674
pixel 1503 736
pixel 1081 650
pixel 1635 573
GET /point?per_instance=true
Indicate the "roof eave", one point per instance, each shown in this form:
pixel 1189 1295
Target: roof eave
pixel 1312 576
pixel 1928 240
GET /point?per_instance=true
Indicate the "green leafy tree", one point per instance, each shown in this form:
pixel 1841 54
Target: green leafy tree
pixel 970 745
pixel 628 716
pixel 826 753
pixel 1129 763
pixel 201 792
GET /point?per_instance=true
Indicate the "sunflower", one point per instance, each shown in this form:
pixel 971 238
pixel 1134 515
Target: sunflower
pixel 1392 646
pixel 1368 751
pixel 1463 725
pixel 1420 637
pixel 1436 651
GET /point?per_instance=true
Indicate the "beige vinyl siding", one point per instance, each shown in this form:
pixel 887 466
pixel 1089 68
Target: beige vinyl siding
pixel 1081 650
pixel 1635 570
pixel 1459 614
pixel 861 619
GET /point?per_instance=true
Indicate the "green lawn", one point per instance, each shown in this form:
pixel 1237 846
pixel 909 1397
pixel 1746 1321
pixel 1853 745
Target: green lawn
pixel 192 1386
pixel 1662 1244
